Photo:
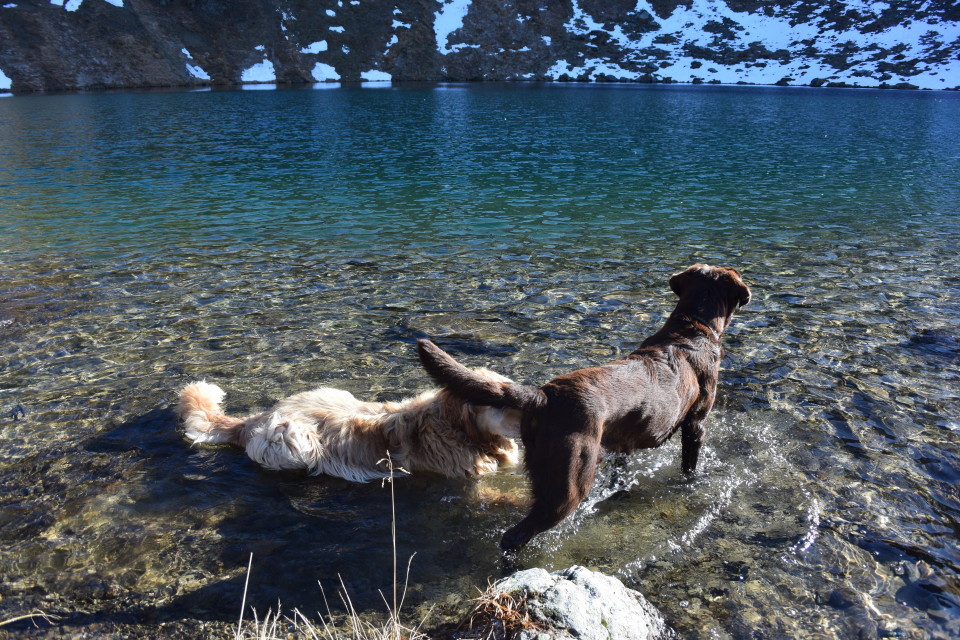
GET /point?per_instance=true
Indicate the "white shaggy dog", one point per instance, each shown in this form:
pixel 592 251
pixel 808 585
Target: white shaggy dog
pixel 328 431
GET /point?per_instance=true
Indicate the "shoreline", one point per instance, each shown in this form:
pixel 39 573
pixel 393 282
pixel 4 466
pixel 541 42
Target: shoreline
pixel 408 84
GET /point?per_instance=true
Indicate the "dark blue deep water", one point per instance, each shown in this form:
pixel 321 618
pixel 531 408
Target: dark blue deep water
pixel 272 241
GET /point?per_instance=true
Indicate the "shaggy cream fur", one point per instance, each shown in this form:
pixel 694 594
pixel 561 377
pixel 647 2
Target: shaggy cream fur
pixel 328 431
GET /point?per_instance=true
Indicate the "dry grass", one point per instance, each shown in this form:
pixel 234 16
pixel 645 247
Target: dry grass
pixel 46 617
pixel 495 616
pixel 277 626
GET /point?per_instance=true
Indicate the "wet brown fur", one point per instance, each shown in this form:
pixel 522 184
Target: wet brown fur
pixel 668 384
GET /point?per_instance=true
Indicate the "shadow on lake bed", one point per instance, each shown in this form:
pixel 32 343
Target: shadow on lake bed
pixel 162 533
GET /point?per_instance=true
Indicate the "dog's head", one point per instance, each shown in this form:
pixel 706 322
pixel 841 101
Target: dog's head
pixel 481 422
pixel 713 291
pixel 501 422
pixel 494 421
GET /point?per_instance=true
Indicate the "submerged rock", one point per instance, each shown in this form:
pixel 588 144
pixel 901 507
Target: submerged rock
pixel 563 605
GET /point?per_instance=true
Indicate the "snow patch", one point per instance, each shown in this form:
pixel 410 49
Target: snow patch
pixel 447 20
pixel 72 5
pixel 461 47
pixel 559 68
pixel 5 82
pixel 197 72
pixel 331 13
pixel 193 69
pixel 316 47
pixel 919 40
pixel 260 72
pixel 375 76
pixel 337 29
pixel 284 19
pixel 325 73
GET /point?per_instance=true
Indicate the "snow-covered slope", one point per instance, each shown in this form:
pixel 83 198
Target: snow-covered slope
pixel 798 43
pixel 67 44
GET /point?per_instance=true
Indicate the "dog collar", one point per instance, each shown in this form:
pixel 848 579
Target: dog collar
pixel 702 326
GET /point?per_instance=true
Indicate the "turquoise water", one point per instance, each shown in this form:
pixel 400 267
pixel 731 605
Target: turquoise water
pixel 271 241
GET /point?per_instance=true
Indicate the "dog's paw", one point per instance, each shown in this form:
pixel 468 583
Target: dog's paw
pixel 485 465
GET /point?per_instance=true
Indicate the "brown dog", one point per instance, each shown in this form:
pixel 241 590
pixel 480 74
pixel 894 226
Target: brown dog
pixel 668 383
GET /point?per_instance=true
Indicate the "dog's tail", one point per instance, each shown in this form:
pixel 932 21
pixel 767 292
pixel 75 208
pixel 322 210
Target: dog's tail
pixel 469 385
pixel 203 420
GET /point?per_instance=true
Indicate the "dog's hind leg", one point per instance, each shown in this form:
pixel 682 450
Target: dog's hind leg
pixel 558 487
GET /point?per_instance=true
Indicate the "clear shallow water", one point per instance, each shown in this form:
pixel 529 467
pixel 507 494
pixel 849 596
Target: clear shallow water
pixel 274 241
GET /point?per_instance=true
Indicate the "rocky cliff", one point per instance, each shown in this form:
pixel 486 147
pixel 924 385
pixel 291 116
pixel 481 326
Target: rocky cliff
pixel 83 44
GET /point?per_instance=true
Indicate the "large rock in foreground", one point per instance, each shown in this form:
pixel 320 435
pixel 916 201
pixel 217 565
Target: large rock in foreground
pixel 573 603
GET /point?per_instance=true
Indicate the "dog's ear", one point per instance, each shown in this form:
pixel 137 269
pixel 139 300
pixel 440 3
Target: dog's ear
pixel 679 281
pixel 743 291
pixel 744 295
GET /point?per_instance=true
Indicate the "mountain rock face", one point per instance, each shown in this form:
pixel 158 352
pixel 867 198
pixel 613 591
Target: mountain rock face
pixel 53 45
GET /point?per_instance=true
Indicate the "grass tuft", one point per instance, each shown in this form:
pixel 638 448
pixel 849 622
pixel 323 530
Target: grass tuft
pixel 496 615
pixel 277 626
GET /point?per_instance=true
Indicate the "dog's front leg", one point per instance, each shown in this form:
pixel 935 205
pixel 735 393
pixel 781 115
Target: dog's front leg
pixel 691 427
pixel 691 439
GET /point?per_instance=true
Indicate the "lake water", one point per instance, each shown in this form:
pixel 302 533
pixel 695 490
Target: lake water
pixel 272 241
